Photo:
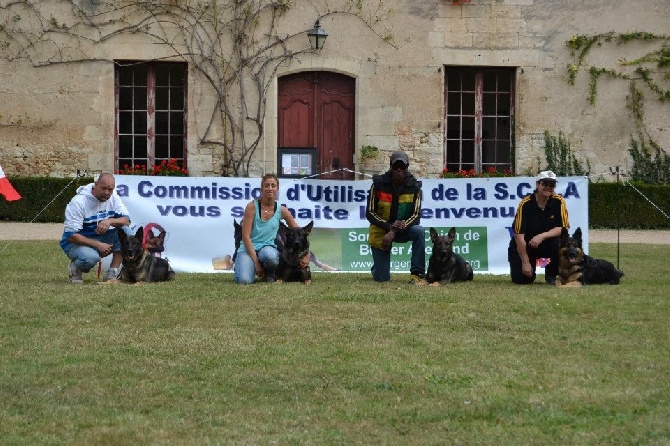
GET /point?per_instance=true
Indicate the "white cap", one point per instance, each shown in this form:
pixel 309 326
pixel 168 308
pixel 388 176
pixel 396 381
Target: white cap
pixel 546 175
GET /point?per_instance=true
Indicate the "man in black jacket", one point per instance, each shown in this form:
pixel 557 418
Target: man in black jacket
pixel 394 212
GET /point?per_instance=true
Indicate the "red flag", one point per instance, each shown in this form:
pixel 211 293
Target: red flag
pixel 6 188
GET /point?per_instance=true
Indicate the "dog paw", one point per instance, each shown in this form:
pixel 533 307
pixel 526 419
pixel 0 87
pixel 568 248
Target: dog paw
pixel 110 282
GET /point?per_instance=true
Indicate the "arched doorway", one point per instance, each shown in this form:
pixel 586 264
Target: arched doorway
pixel 316 110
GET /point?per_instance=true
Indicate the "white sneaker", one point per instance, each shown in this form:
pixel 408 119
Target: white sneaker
pixel 74 274
pixel 112 274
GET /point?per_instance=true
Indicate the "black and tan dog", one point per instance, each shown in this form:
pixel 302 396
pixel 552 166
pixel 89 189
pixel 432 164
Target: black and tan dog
pixel 228 262
pixel 294 247
pixel 576 268
pixel 444 265
pixel 138 264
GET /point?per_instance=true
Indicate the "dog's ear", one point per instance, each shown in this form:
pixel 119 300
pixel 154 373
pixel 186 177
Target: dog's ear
pixel 578 234
pixel 237 233
pixel 140 233
pixel 123 236
pixel 308 229
pixel 452 234
pixel 565 235
pixel 433 234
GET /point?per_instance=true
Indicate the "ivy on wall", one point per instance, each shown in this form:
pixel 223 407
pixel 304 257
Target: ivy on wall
pixel 234 50
pixel 648 72
pixel 581 45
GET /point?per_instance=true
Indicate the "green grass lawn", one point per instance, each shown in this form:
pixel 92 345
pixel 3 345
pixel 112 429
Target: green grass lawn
pixel 204 361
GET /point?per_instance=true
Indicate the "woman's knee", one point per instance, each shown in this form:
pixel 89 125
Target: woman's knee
pixel 271 264
pixel 269 257
pixel 244 277
pixel 244 270
pixel 243 280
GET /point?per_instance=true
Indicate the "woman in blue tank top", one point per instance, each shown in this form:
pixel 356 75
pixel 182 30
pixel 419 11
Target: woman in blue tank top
pixel 258 254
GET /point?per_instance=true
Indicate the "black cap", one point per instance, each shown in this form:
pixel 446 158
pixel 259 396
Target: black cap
pixel 399 156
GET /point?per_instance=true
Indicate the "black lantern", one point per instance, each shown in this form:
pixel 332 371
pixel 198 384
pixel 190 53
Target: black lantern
pixel 317 36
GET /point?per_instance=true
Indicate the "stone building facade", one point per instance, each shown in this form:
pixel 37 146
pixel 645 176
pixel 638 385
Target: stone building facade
pixel 471 85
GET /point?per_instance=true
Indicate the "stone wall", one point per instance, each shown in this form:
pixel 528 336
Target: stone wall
pixel 57 119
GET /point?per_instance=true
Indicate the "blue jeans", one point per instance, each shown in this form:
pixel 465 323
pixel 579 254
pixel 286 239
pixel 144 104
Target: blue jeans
pixel 381 269
pixel 245 270
pixel 85 257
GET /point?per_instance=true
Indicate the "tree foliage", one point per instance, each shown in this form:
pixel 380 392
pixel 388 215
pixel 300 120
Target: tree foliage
pixel 235 46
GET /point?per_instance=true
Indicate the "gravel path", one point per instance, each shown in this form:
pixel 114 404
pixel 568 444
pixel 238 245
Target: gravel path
pixel 53 231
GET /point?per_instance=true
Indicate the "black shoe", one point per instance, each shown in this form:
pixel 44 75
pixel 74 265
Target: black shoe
pixel 551 280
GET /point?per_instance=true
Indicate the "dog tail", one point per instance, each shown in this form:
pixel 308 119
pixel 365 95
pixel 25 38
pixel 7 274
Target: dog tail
pixel 469 274
pixel 618 275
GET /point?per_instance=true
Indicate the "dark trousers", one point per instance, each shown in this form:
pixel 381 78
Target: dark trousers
pixel 548 249
pixel 381 269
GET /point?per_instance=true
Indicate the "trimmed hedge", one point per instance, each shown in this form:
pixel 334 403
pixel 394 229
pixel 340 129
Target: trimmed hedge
pixel 610 203
pixel 37 193
pixel 606 201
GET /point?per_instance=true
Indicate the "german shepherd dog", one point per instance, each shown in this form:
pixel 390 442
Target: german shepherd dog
pixel 294 246
pixel 138 264
pixel 228 262
pixel 576 268
pixel 445 266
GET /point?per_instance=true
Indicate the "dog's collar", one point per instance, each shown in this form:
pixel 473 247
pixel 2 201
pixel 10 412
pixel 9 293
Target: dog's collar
pixel 295 261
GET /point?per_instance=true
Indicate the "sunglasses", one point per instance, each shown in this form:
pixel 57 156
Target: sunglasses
pixel 548 183
pixel 399 166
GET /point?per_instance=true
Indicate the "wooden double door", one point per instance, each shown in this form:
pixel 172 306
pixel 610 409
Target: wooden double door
pixel 316 110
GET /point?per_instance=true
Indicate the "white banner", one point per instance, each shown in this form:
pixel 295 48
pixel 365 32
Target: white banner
pixel 197 213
